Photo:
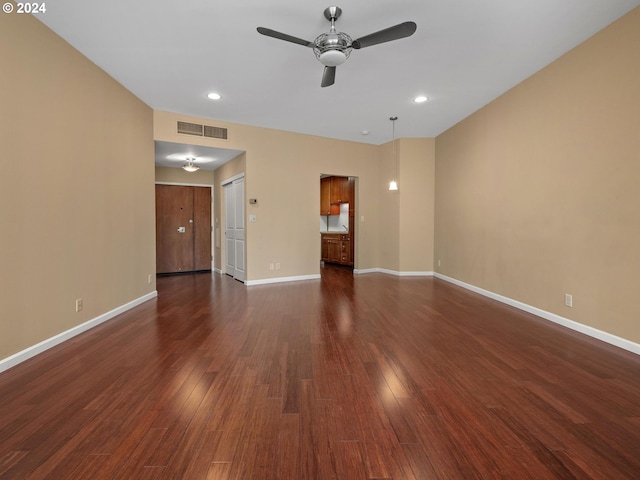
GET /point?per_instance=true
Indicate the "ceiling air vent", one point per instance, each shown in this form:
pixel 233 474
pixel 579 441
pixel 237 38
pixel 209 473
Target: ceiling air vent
pixel 202 130
pixel 190 128
pixel 215 132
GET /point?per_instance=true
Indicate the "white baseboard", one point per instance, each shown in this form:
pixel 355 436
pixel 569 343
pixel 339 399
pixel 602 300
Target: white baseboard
pixel 364 271
pixel 552 317
pixel 266 281
pixel 34 350
pixel 393 272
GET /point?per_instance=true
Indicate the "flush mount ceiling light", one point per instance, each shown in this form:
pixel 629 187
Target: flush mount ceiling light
pixel 393 185
pixel 214 96
pixel 420 99
pixel 190 167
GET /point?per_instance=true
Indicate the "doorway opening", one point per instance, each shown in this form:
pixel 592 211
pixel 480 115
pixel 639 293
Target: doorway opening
pixel 337 220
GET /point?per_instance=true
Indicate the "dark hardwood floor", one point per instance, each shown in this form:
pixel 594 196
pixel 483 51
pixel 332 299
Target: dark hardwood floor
pixel 372 377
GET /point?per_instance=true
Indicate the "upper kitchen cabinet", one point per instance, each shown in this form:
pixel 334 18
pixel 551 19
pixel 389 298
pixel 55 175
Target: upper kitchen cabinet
pixel 325 196
pixel 339 189
pixel 326 208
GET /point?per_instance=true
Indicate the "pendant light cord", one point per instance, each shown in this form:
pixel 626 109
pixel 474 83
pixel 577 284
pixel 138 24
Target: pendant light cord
pixel 393 123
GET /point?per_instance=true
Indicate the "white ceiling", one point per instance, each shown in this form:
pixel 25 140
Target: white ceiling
pixel 169 154
pixel 464 54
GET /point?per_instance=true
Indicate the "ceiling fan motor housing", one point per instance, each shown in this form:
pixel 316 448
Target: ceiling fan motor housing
pixel 333 48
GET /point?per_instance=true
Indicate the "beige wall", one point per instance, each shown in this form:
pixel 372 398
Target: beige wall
pixel 416 181
pixel 76 189
pixel 388 236
pixel 537 194
pixel 406 233
pixel 283 172
pixel 179 176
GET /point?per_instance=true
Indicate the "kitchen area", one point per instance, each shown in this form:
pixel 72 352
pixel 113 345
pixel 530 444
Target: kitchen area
pixel 337 215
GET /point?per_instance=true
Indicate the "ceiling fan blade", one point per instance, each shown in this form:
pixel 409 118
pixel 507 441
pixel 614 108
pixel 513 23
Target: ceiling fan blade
pixel 328 76
pixel 283 36
pixel 396 32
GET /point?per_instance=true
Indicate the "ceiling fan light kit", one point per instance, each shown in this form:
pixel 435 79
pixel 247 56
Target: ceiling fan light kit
pixel 332 58
pixel 333 48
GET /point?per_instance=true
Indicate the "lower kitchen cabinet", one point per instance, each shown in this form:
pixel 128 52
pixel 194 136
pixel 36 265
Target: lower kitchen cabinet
pixel 336 248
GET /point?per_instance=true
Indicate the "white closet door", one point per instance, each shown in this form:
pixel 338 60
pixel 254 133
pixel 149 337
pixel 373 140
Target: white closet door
pixel 240 242
pixel 234 233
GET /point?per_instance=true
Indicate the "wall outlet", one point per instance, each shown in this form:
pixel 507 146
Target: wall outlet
pixel 149 279
pixel 568 300
pixel 78 304
pixel 438 262
pixel 277 266
pixel 271 267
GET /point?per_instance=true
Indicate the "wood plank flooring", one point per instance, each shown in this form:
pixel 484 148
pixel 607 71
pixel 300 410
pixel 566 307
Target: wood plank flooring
pixel 356 378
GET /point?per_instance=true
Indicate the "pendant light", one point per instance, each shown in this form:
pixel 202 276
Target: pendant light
pixel 393 185
pixel 190 167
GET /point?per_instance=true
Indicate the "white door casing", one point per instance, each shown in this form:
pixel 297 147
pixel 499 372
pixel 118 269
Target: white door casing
pixel 229 230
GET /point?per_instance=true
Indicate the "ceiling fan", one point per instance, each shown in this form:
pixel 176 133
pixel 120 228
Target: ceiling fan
pixel 333 48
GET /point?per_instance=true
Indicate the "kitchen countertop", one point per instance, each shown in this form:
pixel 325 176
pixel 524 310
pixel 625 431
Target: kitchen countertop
pixel 335 231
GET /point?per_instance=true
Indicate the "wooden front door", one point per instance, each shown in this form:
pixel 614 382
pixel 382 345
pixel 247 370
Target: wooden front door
pixel 183 228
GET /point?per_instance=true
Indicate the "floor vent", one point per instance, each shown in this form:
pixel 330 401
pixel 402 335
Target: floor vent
pixel 202 130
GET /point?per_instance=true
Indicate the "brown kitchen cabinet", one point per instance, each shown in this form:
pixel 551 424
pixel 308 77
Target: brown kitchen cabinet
pixel 339 190
pixel 325 196
pixel 326 207
pixel 331 247
pixel 336 248
pixel 335 191
pixel 345 250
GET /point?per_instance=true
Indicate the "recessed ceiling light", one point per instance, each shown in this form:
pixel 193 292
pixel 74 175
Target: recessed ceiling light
pixel 214 96
pixel 364 132
pixel 420 99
